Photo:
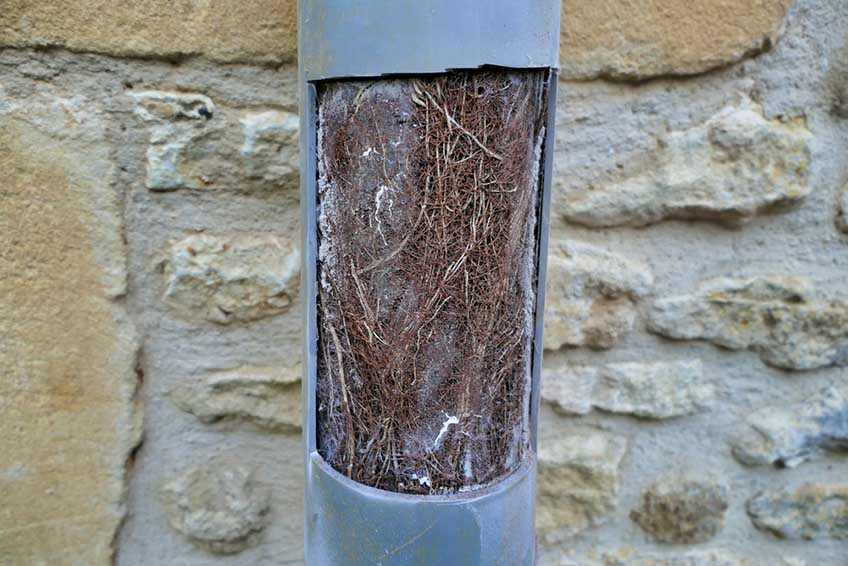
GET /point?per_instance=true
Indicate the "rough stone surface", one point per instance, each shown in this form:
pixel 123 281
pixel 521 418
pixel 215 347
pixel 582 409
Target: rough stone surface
pixel 154 106
pixel 627 556
pixel 267 398
pixel 232 278
pixel 728 169
pixel 693 558
pixel 68 351
pixel 810 512
pixel 788 435
pixel 659 390
pixel 591 296
pixel 780 318
pixel 270 149
pixel 842 211
pixel 197 145
pixel 627 39
pixel 260 31
pixel 578 482
pixel 682 511
pixel 218 506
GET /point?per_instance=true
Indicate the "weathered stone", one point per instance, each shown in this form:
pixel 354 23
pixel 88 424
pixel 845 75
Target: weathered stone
pixel 728 169
pixel 626 39
pixel 789 435
pixel 842 211
pixel 270 149
pixel 656 390
pixel 155 105
pixel 168 165
pixel 232 278
pixel 268 398
pixel 578 481
pixel 68 351
pixel 218 506
pixel 811 512
pixel 591 296
pixel 682 511
pixel 193 145
pixel 184 140
pixel 777 317
pixel 261 31
pixel 628 557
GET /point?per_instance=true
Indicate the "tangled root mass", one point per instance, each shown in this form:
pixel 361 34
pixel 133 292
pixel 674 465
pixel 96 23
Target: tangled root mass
pixel 428 197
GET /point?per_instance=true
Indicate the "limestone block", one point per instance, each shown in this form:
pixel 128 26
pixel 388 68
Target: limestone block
pixel 811 512
pixel 788 435
pixel 658 390
pixel 778 317
pixel 271 150
pixel 629 557
pixel 578 482
pixel 263 397
pixel 591 296
pixel 239 277
pixel 258 31
pixel 729 169
pixel 640 39
pixel 196 145
pixel 682 511
pixel 218 506
pixel 68 350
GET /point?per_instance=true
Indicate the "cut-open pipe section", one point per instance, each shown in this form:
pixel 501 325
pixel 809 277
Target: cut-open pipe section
pixel 426 141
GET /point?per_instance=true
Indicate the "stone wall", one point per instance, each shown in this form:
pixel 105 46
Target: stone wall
pixel 695 404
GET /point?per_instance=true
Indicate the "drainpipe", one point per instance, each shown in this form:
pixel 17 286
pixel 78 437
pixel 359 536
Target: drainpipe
pixel 346 522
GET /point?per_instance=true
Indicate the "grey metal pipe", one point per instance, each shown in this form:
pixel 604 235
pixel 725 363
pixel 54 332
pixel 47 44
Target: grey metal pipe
pixel 347 523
